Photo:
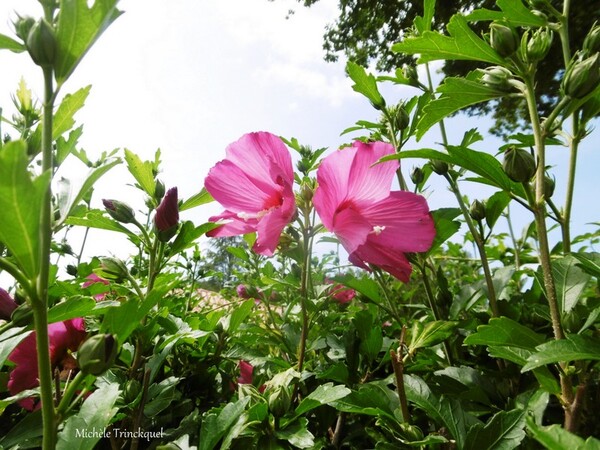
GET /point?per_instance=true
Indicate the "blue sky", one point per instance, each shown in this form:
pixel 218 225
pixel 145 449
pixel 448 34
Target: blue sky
pixel 191 76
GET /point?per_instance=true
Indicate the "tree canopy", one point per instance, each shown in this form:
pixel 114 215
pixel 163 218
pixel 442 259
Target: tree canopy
pixel 366 29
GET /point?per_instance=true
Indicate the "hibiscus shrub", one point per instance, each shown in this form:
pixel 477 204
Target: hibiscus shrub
pixel 328 306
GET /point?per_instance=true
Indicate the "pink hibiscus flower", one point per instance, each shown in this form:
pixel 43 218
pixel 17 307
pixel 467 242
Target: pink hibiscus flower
pixel 340 293
pixel 7 305
pixel 65 337
pixel 255 185
pixel 374 224
pixel 92 278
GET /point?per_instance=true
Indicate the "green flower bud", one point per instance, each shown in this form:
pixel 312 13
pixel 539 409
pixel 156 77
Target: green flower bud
pixel 119 211
pixel 519 165
pixel 477 211
pixel 41 43
pixel 23 25
pixel 439 167
pixel 549 185
pixel 97 354
pixel 22 315
pixel 504 39
pixel 401 118
pixel 72 270
pixel 279 401
pixel 591 43
pixel 582 76
pixel 417 176
pixel 131 391
pixel 410 73
pixel 535 47
pixel 159 191
pixel 497 77
pixel 112 269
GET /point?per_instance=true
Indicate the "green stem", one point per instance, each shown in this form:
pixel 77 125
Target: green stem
pixel 513 238
pixel 304 286
pixel 39 303
pixel 478 243
pixel 16 273
pixel 68 394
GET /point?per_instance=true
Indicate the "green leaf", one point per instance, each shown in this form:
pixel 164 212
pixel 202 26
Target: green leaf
pixel 83 430
pixel 188 234
pixel 574 348
pixel 372 399
pixel 71 308
pixel 432 333
pixel 9 43
pixel 64 147
pixel 445 226
pixel 15 398
pixel 9 340
pixel 142 171
pixel 297 434
pixel 494 206
pixel 423 23
pixel 443 411
pixel 462 44
pixel 504 431
pixel 27 430
pixel 324 395
pixel 513 11
pixel 589 262
pixel 78 28
pixel 555 437
pixel 89 182
pixel 160 396
pixel 21 204
pixel 457 93
pixel 214 426
pixel 365 84
pixel 503 331
pixel 63 117
pixel 570 282
pixel 365 286
pixel 201 198
pixel 239 314
pixel 94 218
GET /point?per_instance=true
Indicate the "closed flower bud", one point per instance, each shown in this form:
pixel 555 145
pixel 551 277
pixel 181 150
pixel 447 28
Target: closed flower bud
pixel 417 176
pixel 497 77
pixel 7 305
pixel 535 47
pixel 97 354
pixel 401 118
pixel 306 192
pixel 159 191
pixel 439 167
pixel 112 269
pixel 519 164
pixel 166 218
pixel 22 27
pixel 410 72
pixel 22 315
pixel 504 39
pixel 582 76
pixel 549 185
pixel 591 43
pixel 279 401
pixel 477 211
pixel 119 211
pixel 41 43
pixel 72 270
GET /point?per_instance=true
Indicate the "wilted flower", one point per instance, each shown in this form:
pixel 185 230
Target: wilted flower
pixel 255 185
pixel 64 337
pixel 92 279
pixel 7 305
pixel 375 225
pixel 167 216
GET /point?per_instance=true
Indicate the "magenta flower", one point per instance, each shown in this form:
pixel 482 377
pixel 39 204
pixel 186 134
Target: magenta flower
pixel 92 279
pixel 246 370
pixel 65 337
pixel 7 305
pixel 166 218
pixel 255 185
pixel 340 293
pixel 374 224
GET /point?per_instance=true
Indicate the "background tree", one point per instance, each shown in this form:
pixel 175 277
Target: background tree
pixel 366 29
